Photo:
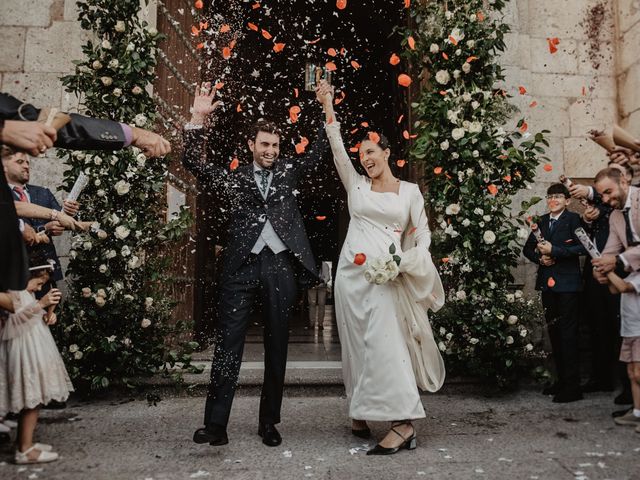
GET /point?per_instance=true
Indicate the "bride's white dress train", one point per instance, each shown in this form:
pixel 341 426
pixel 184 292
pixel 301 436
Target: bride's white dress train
pixel 388 350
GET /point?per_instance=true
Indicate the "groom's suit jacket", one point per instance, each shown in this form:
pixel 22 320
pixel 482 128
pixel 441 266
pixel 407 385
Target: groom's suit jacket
pixel 248 210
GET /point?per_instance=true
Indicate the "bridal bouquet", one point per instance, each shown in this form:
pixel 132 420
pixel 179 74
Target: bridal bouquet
pixel 382 269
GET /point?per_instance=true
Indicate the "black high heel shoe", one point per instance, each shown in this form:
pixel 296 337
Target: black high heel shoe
pixel 407 444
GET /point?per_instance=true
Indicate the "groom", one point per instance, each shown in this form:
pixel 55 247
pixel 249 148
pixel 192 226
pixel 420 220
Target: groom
pixel 267 255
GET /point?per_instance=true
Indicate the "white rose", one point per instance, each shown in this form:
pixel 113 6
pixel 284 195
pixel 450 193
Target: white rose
pixel 518 293
pixel 117 92
pixel 442 346
pixel 380 277
pixel 442 331
pixel 77 355
pixel 130 47
pixel 145 323
pixel 473 341
pixel 393 270
pixel 120 26
pixel 140 120
pixel 102 234
pixel 122 232
pixel 442 77
pixel 486 218
pixel 100 301
pixel 368 275
pixel 510 297
pixel 466 222
pixel 86 292
pixel 134 262
pixel 523 332
pixel 522 233
pixel 73 348
pixel 110 254
pixel 456 74
pixel 510 340
pixel 87 245
pixel 457 133
pixel 455 155
pixel 461 295
pixel 475 104
pixel 466 97
pixel 453 209
pixel 472 17
pixel 466 67
pixel 97 182
pixel 512 319
pixel 101 292
pixel 106 81
pixel 481 224
pixel 114 219
pixel 125 251
pixel 122 187
pixel 475 154
pixel 489 237
pixel 114 63
pixel 528 347
pixel 102 268
pixel 444 145
pixel 128 297
pixel 449 336
pixel 475 127
pixel 136 90
pixel 141 160
pixel 148 302
pixel 106 44
pixel 126 342
pixel 448 14
pixel 471 43
pixel 96 65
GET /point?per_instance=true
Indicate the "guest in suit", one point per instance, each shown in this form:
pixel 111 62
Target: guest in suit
pixel 267 256
pixel 560 282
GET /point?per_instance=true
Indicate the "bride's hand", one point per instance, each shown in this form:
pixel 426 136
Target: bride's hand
pixel 203 104
pixel 324 92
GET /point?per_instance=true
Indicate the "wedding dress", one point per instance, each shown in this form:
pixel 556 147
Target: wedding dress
pixel 388 349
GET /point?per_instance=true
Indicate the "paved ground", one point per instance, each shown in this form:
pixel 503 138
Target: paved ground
pixel 466 436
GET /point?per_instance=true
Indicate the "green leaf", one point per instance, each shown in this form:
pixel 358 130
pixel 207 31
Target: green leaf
pixel 392 248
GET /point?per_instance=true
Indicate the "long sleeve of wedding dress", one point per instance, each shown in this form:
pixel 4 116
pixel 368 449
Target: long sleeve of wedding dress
pixel 346 170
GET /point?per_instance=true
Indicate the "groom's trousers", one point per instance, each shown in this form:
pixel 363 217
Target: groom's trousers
pixel 270 278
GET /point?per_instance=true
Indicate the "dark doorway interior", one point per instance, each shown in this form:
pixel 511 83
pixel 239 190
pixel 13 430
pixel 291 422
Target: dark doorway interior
pixel 259 82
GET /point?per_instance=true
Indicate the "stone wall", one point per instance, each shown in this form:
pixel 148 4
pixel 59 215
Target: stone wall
pixel 628 64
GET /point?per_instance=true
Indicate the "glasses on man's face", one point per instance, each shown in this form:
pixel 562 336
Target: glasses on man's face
pixel 555 196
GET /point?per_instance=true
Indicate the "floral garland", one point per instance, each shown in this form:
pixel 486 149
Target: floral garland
pixel 116 322
pixel 473 166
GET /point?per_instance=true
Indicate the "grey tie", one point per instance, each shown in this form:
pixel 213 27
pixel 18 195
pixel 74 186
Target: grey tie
pixel 264 180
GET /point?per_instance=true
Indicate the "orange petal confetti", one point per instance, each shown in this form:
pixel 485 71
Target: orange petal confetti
pixel 194 31
pixel 266 34
pixel 394 60
pixel 238 108
pixel 232 44
pixel 355 148
pixel 338 100
pixel 405 134
pixel 359 259
pixel 278 47
pixel 321 218
pixel 354 131
pixel 445 56
pixel 252 26
pixel 374 137
pixel 400 118
pixel 480 16
pixel 551 282
pixel 471 58
pixel 200 46
pixel 300 147
pixel 295 92
pixel 522 90
pixel 445 260
pixel 341 4
pixel 407 3
pixel 332 52
pixel 293 113
pixel 330 66
pixel 226 53
pixel 412 43
pixel 255 5
pixel 493 190
pixel 404 79
pixel 225 28
pixel 401 163
pixel 204 25
pixel 437 170
pixel 453 40
pixel 343 51
pixel 355 64
pixel 198 4
pixel 507 178
pixel 524 127
pixel 312 42
pixel 553 45
pixel 547 167
pixel 219 85
pixel 533 104
pixel 234 163
pixel 365 124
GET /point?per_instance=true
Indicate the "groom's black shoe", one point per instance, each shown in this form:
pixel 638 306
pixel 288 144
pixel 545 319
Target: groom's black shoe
pixel 212 434
pixel 269 434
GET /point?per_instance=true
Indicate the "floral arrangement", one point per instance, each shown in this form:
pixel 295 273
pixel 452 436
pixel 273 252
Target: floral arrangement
pixel 474 166
pixel 383 269
pixel 116 323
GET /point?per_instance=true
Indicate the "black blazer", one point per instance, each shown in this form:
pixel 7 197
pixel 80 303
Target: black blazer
pixel 247 210
pixel 566 251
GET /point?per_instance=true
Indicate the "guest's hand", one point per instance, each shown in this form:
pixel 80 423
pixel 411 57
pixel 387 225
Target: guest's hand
pixel 324 92
pixel 32 137
pixel 600 277
pixel 591 213
pixel 151 144
pixel 69 223
pixel 545 248
pixel 52 297
pixel 604 264
pixel 70 207
pixel 579 191
pixel 620 155
pixel 50 319
pixel 547 261
pixel 203 104
pixel 42 237
pixel 54 228
pixel 29 235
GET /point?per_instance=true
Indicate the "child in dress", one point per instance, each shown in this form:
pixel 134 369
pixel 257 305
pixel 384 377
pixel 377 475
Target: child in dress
pixel 32 372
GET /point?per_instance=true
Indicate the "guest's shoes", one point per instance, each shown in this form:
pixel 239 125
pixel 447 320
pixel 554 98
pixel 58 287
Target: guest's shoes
pixel 592 386
pixel 269 434
pixel 551 389
pixel 628 419
pixel 55 405
pixel 408 443
pixel 620 413
pixel 22 458
pixel 567 396
pixel 212 434
pixel 624 398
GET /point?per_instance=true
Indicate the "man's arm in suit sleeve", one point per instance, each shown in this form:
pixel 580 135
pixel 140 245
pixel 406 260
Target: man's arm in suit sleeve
pixel 574 247
pixel 194 159
pixel 529 249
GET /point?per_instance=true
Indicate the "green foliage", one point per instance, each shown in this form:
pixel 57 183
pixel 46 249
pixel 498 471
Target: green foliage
pixel 474 165
pixel 116 323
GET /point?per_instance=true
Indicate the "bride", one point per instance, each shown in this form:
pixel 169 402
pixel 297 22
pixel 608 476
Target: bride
pixel 388 350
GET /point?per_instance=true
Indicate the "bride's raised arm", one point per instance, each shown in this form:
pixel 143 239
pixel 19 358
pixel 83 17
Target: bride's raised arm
pixel 346 170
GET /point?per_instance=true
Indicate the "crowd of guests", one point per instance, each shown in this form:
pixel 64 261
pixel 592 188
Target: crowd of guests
pixel 605 294
pixel 32 372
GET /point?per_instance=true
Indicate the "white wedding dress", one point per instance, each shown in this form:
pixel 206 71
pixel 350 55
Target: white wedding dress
pixel 388 350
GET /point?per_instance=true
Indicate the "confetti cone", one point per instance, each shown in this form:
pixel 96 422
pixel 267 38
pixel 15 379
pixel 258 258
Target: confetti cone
pixel 625 139
pixel 603 139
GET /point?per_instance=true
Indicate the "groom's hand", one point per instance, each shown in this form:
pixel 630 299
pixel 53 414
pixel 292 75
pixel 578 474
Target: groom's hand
pixel 203 104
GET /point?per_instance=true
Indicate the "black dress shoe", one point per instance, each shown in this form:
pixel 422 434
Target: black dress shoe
pixel 269 434
pixel 213 435
pixel 620 413
pixel 624 398
pixel 552 389
pixel 592 386
pixel 362 433
pixel 567 396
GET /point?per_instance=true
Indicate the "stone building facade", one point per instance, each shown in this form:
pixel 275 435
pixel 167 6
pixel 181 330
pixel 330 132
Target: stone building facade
pixel 592 81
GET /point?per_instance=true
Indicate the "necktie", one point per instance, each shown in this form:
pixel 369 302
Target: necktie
pixel 627 224
pixel 264 180
pixel 552 224
pixel 22 197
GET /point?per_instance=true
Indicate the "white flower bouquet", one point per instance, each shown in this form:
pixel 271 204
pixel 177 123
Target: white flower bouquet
pixel 383 269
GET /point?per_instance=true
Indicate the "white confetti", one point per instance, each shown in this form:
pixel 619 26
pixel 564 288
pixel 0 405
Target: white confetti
pixel 422 473
pixel 287 454
pixel 308 467
pixel 502 459
pixel 479 470
pixel 200 474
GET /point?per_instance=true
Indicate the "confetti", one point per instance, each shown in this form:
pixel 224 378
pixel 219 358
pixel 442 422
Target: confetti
pixel 321 218
pixel 332 52
pixel 445 56
pixel 278 47
pixel 360 259
pixel 266 34
pixel 493 190
pixel 522 90
pixel 524 127
pixel 330 66
pixel 252 26
pixel 551 282
pixel 404 79
pixel 401 163
pixel 225 28
pixel 553 44
pixel 437 170
pixel 374 137
pixel 394 59
pixel 341 4
pixel 198 4
pixel 547 167
pixel 412 43
pixel 533 104
pixel 234 164
pixel 355 64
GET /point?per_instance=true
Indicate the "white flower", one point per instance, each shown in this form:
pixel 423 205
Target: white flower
pixel 486 218
pixel 433 48
pixel 523 332
pixel 87 245
pixel 456 74
pixel 102 268
pixel 518 293
pixel 442 331
pixel 102 234
pixel 500 316
pixel 106 44
pixel 96 65
pixel 128 297
pixel 510 340
pixel 455 155
pixel 453 209
pixel 100 301
pixel 449 336
pixel 481 224
pixel 73 348
pixel 145 323
pixel 489 237
pixel 472 17
pixel 136 90
pixel 110 254
pixel 457 133
pixel 475 127
pixel 77 355
pixel 471 43
pixel 444 145
pixel 380 277
pixel 125 251
pixel 120 26
pixel 475 154
pixel 130 47
pixel 522 233
pixel 466 124
pixel 106 81
pixel 510 297
pixel 148 302
pixel 528 347
pixel 461 295
pixel 512 319
pixel 111 339
pixel 86 292
pixel 122 187
pixel 466 67
pixel 114 63
pixel 448 14
pixel 122 232
pixel 442 346
pixel 117 92
pixel 442 77
pixel 475 104
pixel 141 160
pixel 473 341
pixel 101 292
pixel 134 262
pixel 466 97
pixel 368 275
pixel 126 342
pixel 457 35
pixel 466 222
pixel 140 120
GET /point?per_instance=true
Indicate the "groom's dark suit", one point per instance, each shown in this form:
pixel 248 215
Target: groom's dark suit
pixel 246 276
